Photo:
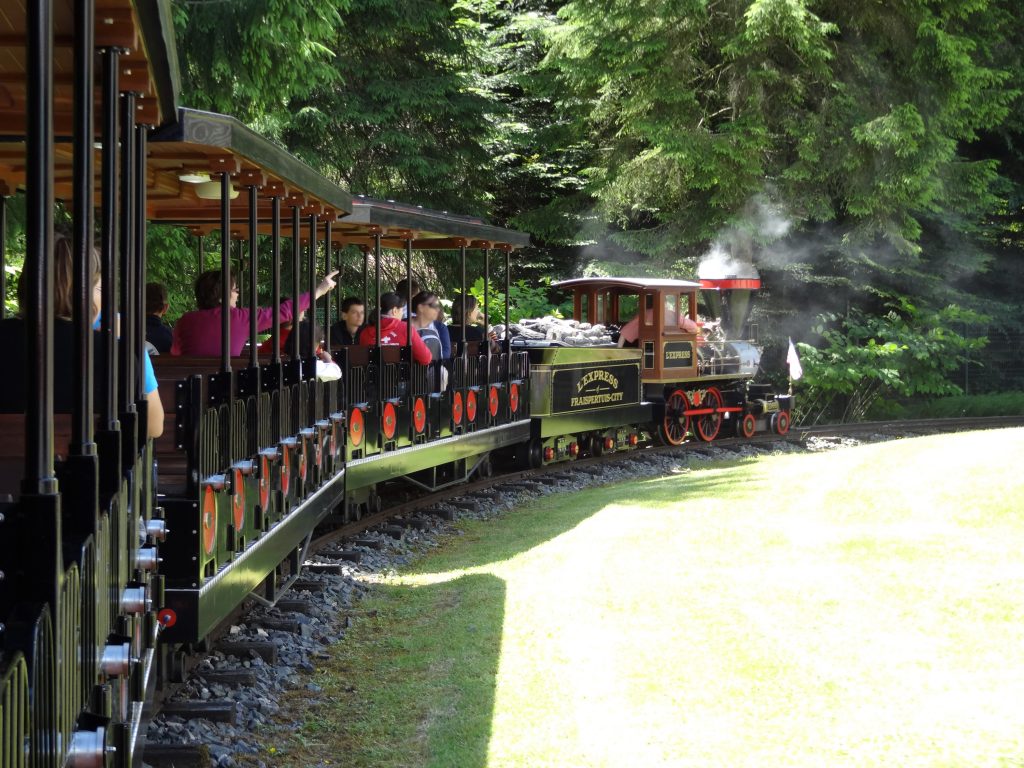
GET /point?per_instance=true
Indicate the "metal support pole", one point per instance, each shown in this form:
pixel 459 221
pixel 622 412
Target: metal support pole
pixel 508 290
pixel 366 279
pixel 127 342
pixel 3 254
pixel 408 292
pixel 200 254
pixel 487 298
pixel 376 273
pixel 39 477
pixel 311 281
pixel 108 236
pixel 275 280
pixel 296 352
pixel 254 357
pixel 328 248
pixel 141 140
pixel 225 272
pixel 462 259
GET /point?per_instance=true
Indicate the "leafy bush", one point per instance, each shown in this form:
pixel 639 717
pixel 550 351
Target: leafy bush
pixel 994 404
pixel 908 351
pixel 525 300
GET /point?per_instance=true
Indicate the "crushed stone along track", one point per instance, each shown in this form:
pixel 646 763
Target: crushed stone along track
pixel 235 684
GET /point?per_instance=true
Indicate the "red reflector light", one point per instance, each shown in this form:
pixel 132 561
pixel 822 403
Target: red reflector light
pixel 633 439
pixel 549 453
pixel 609 443
pixel 573 449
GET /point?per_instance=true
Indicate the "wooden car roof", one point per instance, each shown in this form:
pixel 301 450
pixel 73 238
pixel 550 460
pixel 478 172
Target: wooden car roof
pixel 144 30
pixel 206 142
pixel 629 283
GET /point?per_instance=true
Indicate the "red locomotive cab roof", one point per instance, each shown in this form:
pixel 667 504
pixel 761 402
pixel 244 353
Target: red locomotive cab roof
pixel 731 283
pixel 632 283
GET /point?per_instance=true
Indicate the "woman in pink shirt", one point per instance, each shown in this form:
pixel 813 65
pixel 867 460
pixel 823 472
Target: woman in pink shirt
pixel 198 333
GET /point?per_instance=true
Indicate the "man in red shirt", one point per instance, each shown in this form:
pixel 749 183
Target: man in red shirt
pixel 394 330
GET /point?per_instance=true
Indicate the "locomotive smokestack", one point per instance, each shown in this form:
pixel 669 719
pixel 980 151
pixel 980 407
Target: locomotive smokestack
pixel 728 285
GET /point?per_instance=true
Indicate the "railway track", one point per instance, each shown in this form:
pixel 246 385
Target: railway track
pixel 411 511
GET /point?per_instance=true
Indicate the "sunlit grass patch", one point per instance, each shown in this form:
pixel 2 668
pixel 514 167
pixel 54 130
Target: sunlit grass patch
pixel 860 607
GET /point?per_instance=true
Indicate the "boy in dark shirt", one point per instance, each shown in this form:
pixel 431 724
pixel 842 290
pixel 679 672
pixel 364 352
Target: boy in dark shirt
pixel 346 330
pixel 158 333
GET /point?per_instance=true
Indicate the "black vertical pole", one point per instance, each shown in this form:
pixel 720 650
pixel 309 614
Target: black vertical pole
pixel 366 277
pixel 126 380
pixel 296 274
pixel 3 253
pixel 275 280
pixel 376 275
pixel 508 300
pixel 462 259
pixel 39 477
pixel 108 236
pixel 408 292
pixel 311 284
pixel 254 358
pixel 487 299
pixel 227 436
pixel 200 255
pixel 140 257
pixel 225 272
pixel 328 261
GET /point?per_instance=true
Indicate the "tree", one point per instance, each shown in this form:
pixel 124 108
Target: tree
pixel 846 118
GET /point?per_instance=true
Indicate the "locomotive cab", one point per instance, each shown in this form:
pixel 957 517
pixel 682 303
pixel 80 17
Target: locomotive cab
pixel 665 330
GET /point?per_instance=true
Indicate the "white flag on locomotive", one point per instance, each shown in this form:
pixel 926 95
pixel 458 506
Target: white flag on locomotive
pixel 796 370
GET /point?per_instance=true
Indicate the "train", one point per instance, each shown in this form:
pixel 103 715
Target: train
pixel 120 552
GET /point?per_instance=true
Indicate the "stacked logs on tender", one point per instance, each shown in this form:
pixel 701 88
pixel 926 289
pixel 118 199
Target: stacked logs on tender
pixel 563 331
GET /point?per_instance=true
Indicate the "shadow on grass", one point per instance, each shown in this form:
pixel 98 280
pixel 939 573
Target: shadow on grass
pixel 542 520
pixel 419 683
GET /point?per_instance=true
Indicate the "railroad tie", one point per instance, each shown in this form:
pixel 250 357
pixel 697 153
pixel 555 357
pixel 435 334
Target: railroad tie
pixel 216 711
pixel 244 648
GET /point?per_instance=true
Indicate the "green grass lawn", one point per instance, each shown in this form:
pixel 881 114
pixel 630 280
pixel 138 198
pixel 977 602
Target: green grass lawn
pixel 854 608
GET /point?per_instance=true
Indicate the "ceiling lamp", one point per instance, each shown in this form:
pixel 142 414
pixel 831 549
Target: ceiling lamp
pixel 210 190
pixel 194 177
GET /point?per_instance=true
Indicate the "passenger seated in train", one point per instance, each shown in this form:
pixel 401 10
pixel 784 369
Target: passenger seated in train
pixel 474 331
pixel 345 332
pixel 198 332
pixel 305 329
pixel 407 288
pixel 393 329
pixel 629 334
pixel 12 340
pixel 426 307
pixel 158 333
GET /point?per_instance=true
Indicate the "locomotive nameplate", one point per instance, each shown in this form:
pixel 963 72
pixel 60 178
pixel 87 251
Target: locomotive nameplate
pixel 677 354
pixel 583 388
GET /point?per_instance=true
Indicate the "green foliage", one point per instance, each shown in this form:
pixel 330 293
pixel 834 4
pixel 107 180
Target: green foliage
pixel 844 115
pixel 995 404
pixel 526 300
pixel 251 58
pixel 905 352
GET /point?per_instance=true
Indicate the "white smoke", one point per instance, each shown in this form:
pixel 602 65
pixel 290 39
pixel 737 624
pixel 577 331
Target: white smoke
pixel 732 251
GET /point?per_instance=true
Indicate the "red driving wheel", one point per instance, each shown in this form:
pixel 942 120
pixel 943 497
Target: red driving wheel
pixel 709 424
pixel 675 423
pixel 781 420
pixel 748 426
